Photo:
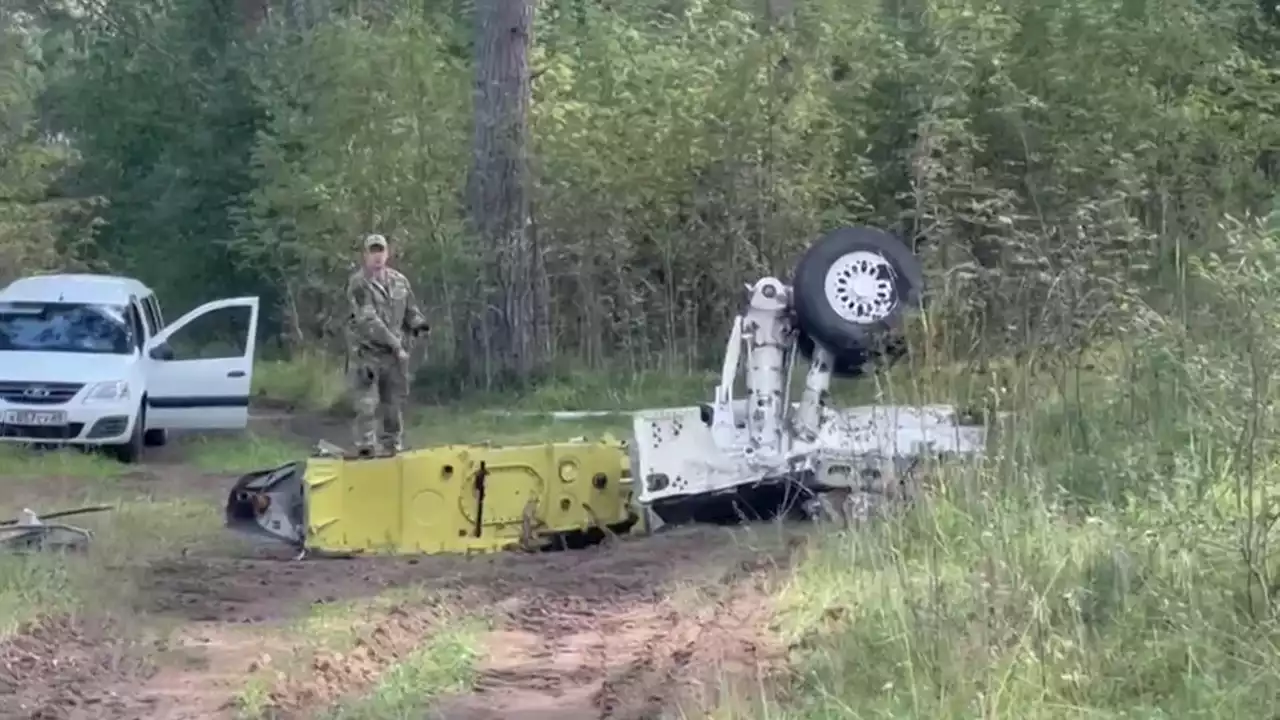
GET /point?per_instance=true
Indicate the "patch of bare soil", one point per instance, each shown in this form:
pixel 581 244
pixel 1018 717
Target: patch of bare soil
pixel 331 675
pixel 57 493
pixel 56 668
pixel 622 658
pixel 270 585
pixel 304 428
pixel 592 633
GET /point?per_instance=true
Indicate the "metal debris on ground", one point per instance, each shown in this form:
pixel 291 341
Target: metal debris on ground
pixel 29 532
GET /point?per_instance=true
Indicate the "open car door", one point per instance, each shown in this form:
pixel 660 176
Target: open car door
pixel 200 367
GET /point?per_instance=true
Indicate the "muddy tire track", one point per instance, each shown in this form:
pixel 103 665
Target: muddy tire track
pixel 623 662
pixel 597 633
pixel 627 654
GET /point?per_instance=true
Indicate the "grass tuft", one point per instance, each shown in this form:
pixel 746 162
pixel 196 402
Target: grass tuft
pixel 444 664
pixel 241 453
pixel 103 578
pixel 20 461
pixel 307 382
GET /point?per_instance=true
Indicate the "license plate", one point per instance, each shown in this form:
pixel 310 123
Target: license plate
pixel 35 417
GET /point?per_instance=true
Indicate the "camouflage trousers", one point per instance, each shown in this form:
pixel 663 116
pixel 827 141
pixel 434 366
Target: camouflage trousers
pixel 379 389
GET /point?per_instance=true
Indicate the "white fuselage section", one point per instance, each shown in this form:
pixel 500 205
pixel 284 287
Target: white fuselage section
pixel 679 452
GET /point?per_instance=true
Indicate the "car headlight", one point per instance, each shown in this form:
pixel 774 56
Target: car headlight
pixel 108 391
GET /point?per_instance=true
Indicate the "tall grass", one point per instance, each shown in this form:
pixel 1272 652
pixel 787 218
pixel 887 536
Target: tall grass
pixel 1112 557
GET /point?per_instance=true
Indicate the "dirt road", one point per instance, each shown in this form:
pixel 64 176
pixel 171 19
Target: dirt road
pixel 619 631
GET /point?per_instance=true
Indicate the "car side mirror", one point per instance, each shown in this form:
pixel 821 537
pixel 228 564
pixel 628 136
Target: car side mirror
pixel 162 352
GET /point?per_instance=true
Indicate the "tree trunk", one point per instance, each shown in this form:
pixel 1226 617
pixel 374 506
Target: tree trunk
pixel 508 343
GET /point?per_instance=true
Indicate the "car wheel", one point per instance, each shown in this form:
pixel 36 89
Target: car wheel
pixel 131 451
pixel 851 292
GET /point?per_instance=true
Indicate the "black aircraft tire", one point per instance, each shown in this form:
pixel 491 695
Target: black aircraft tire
pixel 852 290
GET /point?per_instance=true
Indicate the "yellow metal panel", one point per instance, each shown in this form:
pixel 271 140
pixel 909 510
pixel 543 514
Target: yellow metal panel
pixel 354 505
pixel 429 501
pixel 435 491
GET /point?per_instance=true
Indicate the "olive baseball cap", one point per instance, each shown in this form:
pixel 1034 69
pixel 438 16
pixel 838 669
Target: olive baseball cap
pixel 375 242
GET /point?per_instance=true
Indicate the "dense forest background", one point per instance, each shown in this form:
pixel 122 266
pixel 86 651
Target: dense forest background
pixel 588 183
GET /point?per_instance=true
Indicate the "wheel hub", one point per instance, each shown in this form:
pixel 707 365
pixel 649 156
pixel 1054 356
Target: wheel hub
pixel 860 288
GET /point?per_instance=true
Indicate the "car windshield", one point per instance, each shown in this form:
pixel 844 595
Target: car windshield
pixel 65 327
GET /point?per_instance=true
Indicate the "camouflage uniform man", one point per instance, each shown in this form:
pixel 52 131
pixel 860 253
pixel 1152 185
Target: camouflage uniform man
pixel 383 313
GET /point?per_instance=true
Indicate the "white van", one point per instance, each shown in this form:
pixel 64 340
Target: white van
pixel 88 360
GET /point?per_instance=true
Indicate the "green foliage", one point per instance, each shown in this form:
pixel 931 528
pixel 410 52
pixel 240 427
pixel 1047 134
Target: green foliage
pixel 1056 163
pixel 444 665
pixel 368 130
pixel 160 107
pixel 31 215
pixel 1114 557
